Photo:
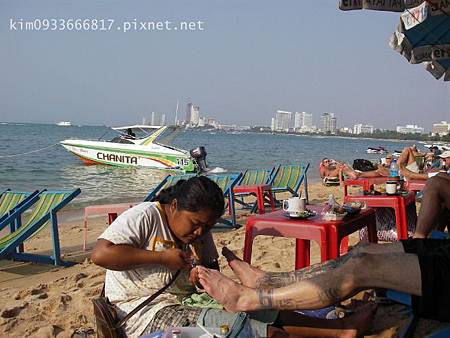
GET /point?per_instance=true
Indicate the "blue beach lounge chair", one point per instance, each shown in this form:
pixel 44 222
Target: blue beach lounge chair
pixel 43 213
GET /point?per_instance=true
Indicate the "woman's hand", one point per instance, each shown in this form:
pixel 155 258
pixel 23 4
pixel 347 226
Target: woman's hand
pixel 194 279
pixel 174 259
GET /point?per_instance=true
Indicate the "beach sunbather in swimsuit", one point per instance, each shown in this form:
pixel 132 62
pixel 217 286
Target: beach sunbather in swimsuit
pixel 145 245
pixel 331 169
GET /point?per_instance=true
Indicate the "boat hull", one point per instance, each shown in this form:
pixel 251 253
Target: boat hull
pixel 126 155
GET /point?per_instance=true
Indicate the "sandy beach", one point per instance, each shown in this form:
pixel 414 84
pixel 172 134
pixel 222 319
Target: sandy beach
pixel 47 301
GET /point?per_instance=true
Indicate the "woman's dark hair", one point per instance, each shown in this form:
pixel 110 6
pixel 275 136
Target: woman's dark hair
pixel 195 194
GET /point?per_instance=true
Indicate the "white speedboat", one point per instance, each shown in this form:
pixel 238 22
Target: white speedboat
pixel 127 150
pixel 373 150
pixel 64 124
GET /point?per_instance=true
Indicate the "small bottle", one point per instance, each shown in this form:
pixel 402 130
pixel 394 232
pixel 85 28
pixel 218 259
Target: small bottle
pixel 224 329
pixel 393 169
pixel 331 201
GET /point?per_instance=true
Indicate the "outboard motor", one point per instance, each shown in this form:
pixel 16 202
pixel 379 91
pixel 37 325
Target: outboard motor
pixel 199 155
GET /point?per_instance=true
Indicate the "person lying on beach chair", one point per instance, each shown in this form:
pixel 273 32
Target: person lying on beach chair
pixel 419 267
pixel 329 168
pixel 435 207
pixel 145 245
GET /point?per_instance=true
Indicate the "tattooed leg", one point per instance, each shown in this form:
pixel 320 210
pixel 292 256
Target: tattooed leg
pixel 255 278
pixel 398 271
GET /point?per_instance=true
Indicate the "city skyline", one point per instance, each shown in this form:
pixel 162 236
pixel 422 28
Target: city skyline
pixel 247 60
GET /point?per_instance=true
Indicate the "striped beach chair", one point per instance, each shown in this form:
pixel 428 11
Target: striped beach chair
pixel 253 177
pixel 289 178
pixel 43 213
pixel 10 200
pixel 227 182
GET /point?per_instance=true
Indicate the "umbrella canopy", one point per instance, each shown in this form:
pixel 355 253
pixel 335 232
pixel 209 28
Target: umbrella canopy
pixel 423 35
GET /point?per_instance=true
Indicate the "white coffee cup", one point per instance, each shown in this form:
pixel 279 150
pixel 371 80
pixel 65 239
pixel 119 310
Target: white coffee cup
pixel 391 187
pixel 294 205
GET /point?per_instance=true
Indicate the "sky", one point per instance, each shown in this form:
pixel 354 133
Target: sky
pixel 244 60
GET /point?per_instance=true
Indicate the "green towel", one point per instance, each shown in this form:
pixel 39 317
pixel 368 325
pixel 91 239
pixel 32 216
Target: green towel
pixel 201 300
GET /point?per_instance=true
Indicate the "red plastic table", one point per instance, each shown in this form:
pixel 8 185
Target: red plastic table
pixel 397 202
pixel 415 185
pixel 328 234
pixel 259 190
pixel 365 182
pixel 111 209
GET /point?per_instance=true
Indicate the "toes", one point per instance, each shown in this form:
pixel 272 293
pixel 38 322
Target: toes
pixel 202 271
pixel 228 254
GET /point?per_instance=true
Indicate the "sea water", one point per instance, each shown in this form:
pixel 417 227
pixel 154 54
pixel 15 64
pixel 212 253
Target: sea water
pixel 23 167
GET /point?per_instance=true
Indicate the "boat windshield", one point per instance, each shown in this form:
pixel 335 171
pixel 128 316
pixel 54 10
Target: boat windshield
pixel 121 139
pixel 129 134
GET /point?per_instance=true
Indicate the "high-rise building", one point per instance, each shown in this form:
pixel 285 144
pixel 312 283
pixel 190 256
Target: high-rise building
pixel 328 123
pixel 362 129
pixel 195 115
pixel 273 124
pixel 307 120
pixel 302 121
pixel 333 125
pixel 283 120
pixel 189 110
pixel 441 129
pixel 298 120
pixel 410 129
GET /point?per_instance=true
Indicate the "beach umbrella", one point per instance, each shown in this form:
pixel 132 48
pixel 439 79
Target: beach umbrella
pixel 423 35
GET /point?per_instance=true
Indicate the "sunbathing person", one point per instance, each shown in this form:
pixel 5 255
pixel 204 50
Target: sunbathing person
pixel 419 267
pixel 435 206
pixel 144 246
pixel 329 168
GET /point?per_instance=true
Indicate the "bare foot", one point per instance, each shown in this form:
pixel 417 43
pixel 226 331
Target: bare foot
pixel 221 288
pixel 349 171
pixel 247 274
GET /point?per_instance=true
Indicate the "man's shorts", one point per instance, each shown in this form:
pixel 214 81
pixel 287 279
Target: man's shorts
pixel 434 261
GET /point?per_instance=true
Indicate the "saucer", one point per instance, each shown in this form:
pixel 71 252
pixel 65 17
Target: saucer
pixel 300 214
